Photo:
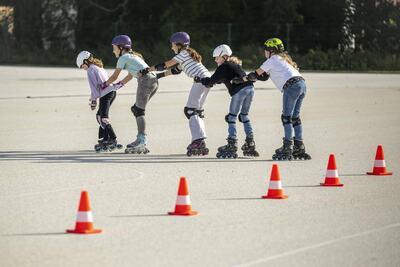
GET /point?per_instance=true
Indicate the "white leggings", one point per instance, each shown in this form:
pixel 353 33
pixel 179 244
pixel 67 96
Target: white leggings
pixel 197 96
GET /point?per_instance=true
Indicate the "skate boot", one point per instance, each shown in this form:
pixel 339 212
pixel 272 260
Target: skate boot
pixel 299 151
pixel 197 148
pixel 249 147
pixel 111 145
pixel 284 152
pixel 99 147
pixel 229 150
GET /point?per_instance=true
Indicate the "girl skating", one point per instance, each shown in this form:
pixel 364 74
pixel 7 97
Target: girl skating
pixel 285 75
pixel 107 140
pixel 147 86
pixel 190 61
pixel 229 67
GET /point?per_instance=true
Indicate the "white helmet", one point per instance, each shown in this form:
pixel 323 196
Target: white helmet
pixel 222 50
pixel 81 57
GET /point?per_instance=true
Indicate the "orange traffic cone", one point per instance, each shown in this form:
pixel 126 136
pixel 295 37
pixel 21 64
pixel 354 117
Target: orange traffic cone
pixel 379 164
pixel 275 190
pixel 332 176
pixel 183 206
pixel 84 219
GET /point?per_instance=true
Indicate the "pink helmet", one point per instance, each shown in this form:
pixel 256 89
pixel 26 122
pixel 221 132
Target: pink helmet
pixel 122 40
pixel 180 38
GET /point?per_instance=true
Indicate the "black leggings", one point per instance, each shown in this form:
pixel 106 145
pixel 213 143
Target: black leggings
pixel 106 131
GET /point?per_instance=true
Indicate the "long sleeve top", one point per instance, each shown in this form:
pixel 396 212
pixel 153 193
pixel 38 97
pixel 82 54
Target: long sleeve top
pixel 224 74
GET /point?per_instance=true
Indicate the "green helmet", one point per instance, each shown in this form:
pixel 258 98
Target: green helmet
pixel 274 45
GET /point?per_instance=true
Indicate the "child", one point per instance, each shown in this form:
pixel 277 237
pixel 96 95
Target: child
pixel 96 76
pixel 287 78
pixel 190 61
pixel 229 67
pixel 147 86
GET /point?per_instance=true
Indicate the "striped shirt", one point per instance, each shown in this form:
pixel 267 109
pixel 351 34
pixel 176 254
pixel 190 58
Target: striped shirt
pixel 190 66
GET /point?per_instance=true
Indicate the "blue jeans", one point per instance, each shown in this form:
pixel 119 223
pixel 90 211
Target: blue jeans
pixel 241 101
pixel 292 99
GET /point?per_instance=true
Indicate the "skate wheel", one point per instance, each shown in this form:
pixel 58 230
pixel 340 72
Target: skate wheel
pixel 235 156
pixel 189 154
pixel 126 151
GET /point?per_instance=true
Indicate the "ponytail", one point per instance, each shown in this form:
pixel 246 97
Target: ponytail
pixel 194 54
pixel 285 55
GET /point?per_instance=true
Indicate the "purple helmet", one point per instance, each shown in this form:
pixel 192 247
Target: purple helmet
pixel 122 40
pixel 180 37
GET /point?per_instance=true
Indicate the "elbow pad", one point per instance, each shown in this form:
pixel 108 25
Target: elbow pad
pixel 263 77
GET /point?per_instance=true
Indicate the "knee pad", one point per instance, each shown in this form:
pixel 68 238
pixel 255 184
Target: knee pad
pixel 286 119
pixel 189 112
pixel 296 121
pixel 105 121
pixel 243 118
pixel 200 112
pixel 137 112
pixel 230 118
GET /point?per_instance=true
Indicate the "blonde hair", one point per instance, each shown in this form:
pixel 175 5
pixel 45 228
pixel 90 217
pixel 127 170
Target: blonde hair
pixel 233 59
pixel 95 61
pixel 285 55
pixel 192 53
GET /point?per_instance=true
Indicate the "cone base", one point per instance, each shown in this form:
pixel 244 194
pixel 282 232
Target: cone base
pixel 85 232
pixel 380 173
pixel 337 185
pixel 191 213
pixel 275 197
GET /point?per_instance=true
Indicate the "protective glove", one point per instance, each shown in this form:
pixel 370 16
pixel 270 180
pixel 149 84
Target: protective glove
pixel 143 72
pixel 197 79
pixel 92 104
pixel 103 85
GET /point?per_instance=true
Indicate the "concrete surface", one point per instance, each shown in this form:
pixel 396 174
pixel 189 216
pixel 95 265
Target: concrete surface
pixel 48 131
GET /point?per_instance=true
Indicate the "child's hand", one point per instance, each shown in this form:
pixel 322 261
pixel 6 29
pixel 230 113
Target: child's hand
pixel 197 79
pixel 92 104
pixel 118 85
pixel 103 86
pixel 144 71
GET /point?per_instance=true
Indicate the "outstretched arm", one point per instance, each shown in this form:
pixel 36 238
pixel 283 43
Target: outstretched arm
pixel 163 66
pixel 113 77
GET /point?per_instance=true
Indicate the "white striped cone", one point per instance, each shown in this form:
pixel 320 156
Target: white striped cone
pixel 183 205
pixel 84 218
pixel 332 175
pixel 275 190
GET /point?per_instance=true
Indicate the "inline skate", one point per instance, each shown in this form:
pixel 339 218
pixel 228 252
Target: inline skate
pixel 136 147
pixel 284 152
pixel 229 150
pixel 111 145
pixel 249 147
pixel 197 148
pixel 299 150
pixel 100 146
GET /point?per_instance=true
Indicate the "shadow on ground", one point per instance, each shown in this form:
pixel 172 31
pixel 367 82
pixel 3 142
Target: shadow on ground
pixel 88 156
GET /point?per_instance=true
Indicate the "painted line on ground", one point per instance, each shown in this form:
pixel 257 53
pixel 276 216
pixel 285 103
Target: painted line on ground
pixel 322 244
